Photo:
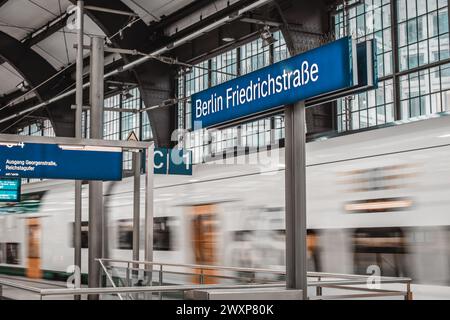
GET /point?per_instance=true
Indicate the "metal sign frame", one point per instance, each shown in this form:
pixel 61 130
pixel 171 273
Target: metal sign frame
pixel 10 139
pixel 58 161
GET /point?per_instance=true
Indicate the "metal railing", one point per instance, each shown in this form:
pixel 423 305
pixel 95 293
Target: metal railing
pixel 339 286
pixel 319 280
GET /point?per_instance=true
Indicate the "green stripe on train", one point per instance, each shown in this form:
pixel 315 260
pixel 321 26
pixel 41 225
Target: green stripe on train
pixel 63 276
pixel 46 274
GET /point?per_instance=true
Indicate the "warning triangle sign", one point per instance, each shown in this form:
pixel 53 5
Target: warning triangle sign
pixel 132 137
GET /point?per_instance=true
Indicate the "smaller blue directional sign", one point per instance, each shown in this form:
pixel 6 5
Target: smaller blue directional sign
pixel 9 190
pixel 52 161
pixel 172 161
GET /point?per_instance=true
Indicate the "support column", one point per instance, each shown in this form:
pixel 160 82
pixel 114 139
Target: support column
pixel 295 183
pixel 148 231
pixel 96 187
pixel 395 64
pixel 136 205
pixel 78 134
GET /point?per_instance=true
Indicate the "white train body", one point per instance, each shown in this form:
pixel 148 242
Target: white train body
pixel 376 197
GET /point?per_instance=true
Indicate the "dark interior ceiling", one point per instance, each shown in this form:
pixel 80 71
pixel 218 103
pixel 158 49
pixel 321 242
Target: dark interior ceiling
pixel 35 53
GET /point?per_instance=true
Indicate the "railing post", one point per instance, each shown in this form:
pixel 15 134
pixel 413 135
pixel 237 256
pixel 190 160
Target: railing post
pixel 319 288
pixel 128 279
pixel 160 280
pixel 409 295
pixel 202 277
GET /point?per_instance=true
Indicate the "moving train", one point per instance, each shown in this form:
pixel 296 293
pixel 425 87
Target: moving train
pixel 379 197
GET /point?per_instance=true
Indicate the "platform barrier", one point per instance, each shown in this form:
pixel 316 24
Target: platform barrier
pixel 143 280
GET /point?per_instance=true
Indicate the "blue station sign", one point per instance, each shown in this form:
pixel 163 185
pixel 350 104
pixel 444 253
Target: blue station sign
pixel 172 161
pixel 324 70
pixel 52 161
pixel 9 190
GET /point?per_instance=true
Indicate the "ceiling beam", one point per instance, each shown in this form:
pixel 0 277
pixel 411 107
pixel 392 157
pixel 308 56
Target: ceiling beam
pixel 3 2
pixel 154 78
pixel 46 30
pixel 35 70
pixel 35 37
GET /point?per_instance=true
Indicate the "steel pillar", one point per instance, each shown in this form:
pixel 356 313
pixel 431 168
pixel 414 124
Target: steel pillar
pixel 295 126
pixel 96 187
pixel 148 231
pixel 136 204
pixel 78 135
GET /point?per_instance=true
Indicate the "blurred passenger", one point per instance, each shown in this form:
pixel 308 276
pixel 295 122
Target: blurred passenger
pixel 313 252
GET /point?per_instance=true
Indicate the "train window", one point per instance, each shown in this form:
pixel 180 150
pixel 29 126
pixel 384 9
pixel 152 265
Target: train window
pixel 379 205
pixel 84 234
pixel 125 236
pixel 2 253
pixel 384 247
pixel 12 253
pixel 162 232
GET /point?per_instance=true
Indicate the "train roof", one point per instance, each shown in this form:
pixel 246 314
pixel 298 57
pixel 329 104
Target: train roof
pixel 390 139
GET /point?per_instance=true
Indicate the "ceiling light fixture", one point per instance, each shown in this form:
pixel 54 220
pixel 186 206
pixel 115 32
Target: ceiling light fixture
pixel 228 39
pixel 23 86
pixel 267 37
pixel 126 95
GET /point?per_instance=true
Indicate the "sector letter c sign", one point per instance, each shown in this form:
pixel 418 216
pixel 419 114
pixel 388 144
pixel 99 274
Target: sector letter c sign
pixel 172 161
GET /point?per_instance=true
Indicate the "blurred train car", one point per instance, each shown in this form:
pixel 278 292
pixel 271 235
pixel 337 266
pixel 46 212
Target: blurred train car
pixel 379 197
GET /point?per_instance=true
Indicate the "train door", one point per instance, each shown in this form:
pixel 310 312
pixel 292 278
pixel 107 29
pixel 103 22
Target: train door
pixel 383 247
pixel 34 248
pixel 204 228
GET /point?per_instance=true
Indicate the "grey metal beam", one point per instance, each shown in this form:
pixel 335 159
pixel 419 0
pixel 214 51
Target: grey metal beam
pixel 136 204
pixel 47 30
pixel 78 134
pixel 158 86
pixel 295 189
pixel 137 36
pixel 149 207
pixel 127 145
pixel 96 187
pixel 261 21
pixel 112 11
pixel 166 119
pixel 395 61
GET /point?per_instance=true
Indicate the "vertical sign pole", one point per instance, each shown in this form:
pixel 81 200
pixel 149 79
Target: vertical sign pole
pixel 96 187
pixel 78 115
pixel 136 205
pixel 295 184
pixel 148 231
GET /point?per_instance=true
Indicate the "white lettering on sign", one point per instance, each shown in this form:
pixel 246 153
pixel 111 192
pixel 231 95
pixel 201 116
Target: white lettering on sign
pixel 264 87
pixel 213 105
pixel 160 154
pixel 27 165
